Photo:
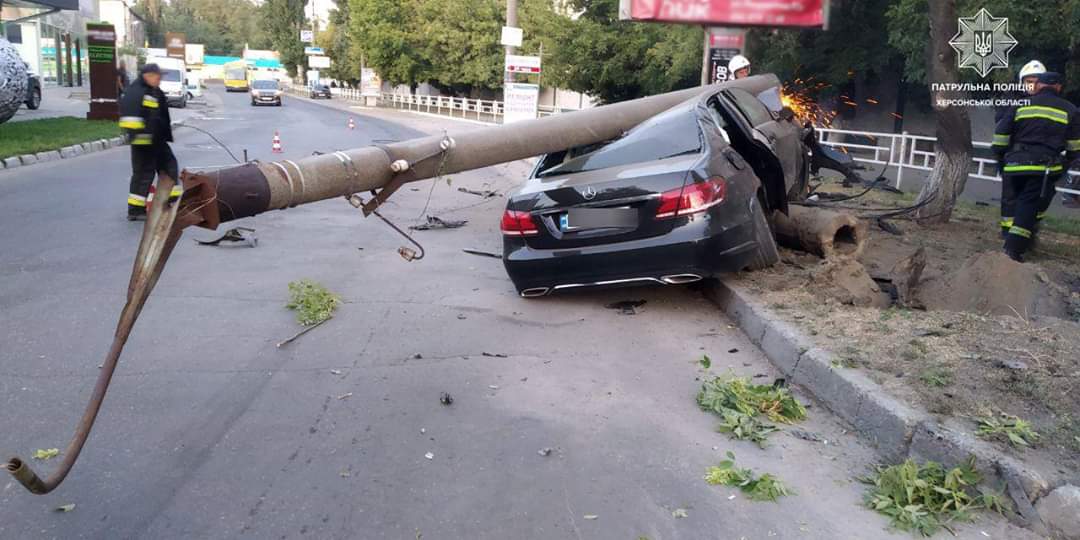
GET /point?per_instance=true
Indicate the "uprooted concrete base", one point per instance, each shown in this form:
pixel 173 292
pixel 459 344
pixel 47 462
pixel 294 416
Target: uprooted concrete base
pixel 992 283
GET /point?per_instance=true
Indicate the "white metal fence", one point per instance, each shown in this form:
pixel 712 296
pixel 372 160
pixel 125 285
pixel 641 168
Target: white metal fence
pixel 904 151
pixel 908 152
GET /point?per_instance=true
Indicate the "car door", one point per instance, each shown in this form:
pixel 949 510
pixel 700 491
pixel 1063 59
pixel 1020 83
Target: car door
pixel 783 138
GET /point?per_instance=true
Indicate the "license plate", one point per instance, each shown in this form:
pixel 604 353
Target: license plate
pixel 598 218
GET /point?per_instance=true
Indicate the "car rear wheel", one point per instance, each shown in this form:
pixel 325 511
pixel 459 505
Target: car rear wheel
pixel 765 254
pixel 35 99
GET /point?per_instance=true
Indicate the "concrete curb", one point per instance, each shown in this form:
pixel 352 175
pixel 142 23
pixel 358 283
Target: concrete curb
pixel 897 430
pixel 66 152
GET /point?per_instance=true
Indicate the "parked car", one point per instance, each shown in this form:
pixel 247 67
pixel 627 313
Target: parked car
pixel 265 91
pixel 683 196
pixel 320 90
pixel 33 91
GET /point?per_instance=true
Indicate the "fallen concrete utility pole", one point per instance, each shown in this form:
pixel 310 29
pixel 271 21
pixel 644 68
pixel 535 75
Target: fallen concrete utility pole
pixel 212 198
pixel 825 233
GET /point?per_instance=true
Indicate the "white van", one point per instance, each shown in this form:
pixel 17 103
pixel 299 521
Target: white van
pixel 173 73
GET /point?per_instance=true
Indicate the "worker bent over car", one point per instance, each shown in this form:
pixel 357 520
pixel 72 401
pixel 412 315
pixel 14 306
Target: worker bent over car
pixel 144 117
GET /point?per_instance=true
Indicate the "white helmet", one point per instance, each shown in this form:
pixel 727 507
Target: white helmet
pixel 1033 67
pixel 737 63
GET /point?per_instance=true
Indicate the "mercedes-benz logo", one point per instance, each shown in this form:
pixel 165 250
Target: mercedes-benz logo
pixel 589 193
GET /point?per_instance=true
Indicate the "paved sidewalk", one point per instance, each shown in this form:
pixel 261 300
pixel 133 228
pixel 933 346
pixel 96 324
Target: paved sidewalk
pixel 57 101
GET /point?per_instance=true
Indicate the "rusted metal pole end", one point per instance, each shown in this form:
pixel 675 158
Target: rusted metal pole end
pixel 27 477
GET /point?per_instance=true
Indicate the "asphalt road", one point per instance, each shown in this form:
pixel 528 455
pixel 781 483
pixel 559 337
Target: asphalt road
pixel 211 431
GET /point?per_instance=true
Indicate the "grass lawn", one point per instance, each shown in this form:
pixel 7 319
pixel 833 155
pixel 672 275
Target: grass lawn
pixel 33 136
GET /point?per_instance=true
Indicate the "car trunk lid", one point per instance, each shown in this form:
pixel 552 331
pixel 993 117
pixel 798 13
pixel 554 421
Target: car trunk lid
pixel 603 206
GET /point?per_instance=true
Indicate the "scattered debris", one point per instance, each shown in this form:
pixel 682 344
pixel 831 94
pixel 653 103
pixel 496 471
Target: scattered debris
pixel 738 402
pixel 446 399
pixel 483 253
pixel 544 452
pixel 417 356
pixel 925 498
pixel 757 488
pixel 493 386
pixel 1012 364
pixel 335 372
pixel 461 317
pixel 435 222
pixel 679 513
pixel 591 517
pixel 732 350
pixel 486 193
pixel 429 455
pixel 627 307
pixel 807 436
pixel 313 304
pixel 344 396
pixel 494 355
pixel 46 454
pixel 65 508
pixel 846 280
pixel 1013 429
pixel 235 234
pixel 705 361
pixel 344 474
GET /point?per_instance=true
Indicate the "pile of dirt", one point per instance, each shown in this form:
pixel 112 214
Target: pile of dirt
pixel 846 280
pixel 992 283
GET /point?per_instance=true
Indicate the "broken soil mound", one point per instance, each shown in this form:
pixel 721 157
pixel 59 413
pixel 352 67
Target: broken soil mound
pixel 993 283
pixel 846 280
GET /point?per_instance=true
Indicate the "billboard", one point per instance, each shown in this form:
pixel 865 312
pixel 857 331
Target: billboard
pixel 804 13
pixel 175 44
pixel 520 102
pixel 322 62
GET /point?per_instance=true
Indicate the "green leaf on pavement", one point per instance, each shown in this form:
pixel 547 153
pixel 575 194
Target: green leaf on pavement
pixel 705 361
pixel 311 301
pixel 46 454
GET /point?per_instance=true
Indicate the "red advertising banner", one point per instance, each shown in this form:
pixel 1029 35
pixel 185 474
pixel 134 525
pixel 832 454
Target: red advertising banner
pixel 803 13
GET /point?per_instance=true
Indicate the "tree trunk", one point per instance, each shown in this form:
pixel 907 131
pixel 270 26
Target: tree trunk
pixel 953 149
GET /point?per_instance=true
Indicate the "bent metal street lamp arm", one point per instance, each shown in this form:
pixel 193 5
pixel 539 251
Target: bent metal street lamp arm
pixel 212 198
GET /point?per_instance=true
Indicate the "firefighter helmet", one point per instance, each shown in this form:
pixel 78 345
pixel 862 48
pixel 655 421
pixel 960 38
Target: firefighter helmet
pixel 1032 68
pixel 737 63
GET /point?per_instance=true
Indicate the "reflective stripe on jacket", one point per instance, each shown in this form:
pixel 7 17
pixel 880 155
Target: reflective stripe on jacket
pixel 144 115
pixel 1032 138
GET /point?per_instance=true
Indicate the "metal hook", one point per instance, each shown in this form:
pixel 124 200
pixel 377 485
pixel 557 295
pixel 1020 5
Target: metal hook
pixel 406 253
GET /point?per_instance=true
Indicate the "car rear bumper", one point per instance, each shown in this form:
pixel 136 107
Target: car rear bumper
pixel 696 250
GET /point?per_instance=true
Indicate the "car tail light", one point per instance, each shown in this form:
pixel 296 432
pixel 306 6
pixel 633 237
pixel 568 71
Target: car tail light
pixel 692 198
pixel 518 223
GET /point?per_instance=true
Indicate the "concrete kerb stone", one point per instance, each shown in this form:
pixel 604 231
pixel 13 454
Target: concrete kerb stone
pixel 895 428
pixel 28 159
pixel 12 162
pixel 51 155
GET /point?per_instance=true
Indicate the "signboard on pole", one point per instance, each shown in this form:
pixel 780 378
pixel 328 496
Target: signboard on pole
pixel 520 101
pixel 799 13
pixel 319 62
pixel 175 44
pixel 101 50
pixel 307 36
pixel 522 64
pixel 313 50
pixel 511 36
pixel 724 44
pixel 370 84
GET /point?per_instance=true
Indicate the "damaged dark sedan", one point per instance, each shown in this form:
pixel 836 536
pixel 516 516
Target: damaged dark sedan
pixel 683 196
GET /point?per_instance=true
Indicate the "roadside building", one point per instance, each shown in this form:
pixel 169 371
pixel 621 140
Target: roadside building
pixel 50 36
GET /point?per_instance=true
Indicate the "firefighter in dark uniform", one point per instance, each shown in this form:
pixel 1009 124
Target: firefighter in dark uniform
pixel 144 116
pixel 1028 144
pixel 1029 77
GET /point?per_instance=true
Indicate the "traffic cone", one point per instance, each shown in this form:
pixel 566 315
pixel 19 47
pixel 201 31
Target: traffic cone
pixel 352 125
pixel 276 145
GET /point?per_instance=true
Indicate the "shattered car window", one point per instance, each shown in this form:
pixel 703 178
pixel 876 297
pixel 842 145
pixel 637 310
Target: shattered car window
pixel 752 108
pixel 673 133
pixel 771 99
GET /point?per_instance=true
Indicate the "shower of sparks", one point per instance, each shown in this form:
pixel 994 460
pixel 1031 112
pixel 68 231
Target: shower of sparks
pixel 797 97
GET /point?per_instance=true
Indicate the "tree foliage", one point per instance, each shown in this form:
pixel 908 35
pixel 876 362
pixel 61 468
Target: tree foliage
pixel 283 20
pixel 223 26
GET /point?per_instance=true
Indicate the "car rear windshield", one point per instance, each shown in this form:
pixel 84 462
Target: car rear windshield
pixel 673 133
pixel 235 74
pixel 264 85
pixel 171 75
